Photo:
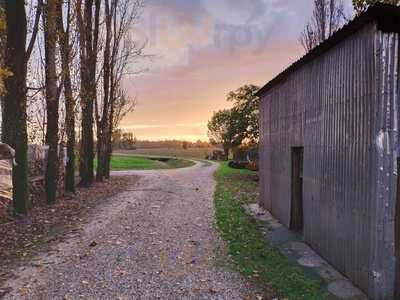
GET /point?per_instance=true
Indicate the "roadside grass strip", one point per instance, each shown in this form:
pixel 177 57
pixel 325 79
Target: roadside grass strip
pixel 252 254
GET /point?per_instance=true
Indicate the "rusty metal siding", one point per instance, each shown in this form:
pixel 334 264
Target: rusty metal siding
pixel 342 108
pixel 387 143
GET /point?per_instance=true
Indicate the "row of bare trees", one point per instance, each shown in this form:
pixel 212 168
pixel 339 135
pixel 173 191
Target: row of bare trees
pixel 67 61
pixel 328 16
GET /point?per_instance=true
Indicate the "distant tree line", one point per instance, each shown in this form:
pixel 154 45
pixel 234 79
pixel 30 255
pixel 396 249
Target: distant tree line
pixel 62 68
pixel 127 141
pixel 123 140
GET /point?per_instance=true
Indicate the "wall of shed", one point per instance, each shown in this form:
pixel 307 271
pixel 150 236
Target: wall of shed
pixel 342 108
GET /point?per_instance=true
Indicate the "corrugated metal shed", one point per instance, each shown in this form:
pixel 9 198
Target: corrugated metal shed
pixel 340 103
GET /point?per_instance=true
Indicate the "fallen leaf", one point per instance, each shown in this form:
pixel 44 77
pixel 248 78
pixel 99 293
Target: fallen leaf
pixel 23 291
pixel 92 244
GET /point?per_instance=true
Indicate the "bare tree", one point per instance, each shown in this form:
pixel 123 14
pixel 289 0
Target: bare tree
pixel 14 129
pixel 66 57
pixel 88 26
pixel 119 51
pixel 327 17
pixel 52 100
pixel 126 51
pixel 124 104
pixel 102 121
pixel 14 126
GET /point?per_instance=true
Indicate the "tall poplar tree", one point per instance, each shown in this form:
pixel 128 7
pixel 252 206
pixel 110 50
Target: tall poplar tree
pixel 88 25
pixel 14 126
pixel 65 49
pixel 52 99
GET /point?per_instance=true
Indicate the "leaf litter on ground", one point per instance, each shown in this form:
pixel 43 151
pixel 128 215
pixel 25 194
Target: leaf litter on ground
pixel 23 237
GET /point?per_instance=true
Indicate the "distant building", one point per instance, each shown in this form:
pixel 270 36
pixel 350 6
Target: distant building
pixel 329 154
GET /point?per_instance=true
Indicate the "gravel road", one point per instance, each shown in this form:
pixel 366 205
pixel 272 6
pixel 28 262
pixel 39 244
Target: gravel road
pixel 157 240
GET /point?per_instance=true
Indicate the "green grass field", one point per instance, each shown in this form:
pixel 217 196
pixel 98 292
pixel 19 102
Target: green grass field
pixel 252 255
pixel 198 153
pixel 127 162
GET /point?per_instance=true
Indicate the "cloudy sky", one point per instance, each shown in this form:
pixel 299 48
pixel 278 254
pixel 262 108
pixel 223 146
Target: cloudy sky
pixel 202 49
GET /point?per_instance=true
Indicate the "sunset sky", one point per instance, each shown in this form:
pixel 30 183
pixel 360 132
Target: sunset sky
pixel 202 49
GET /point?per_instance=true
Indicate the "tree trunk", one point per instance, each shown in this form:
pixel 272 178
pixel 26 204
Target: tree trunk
pixel 14 128
pixel 103 123
pixel 52 168
pixel 99 170
pixel 107 167
pixel 89 40
pixel 87 149
pixel 111 120
pixel 65 50
pixel 86 154
pixel 226 152
pixel 101 154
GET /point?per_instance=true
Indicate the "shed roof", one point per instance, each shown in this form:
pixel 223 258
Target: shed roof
pixel 386 16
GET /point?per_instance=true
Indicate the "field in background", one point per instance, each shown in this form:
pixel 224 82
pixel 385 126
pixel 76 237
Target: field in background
pixel 127 162
pixel 199 153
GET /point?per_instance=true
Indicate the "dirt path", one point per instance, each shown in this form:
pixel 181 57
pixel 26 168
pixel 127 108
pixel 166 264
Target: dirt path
pixel 153 241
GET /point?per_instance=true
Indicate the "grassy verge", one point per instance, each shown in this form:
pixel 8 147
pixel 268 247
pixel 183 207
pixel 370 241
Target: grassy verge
pixel 126 162
pixel 252 255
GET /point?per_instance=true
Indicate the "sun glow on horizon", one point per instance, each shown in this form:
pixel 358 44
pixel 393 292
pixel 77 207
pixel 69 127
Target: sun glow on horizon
pixel 191 132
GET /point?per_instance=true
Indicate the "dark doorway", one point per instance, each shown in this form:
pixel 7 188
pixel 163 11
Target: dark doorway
pixel 397 235
pixel 296 220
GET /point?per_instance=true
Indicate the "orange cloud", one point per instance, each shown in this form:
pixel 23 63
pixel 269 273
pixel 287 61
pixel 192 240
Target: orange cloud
pixel 189 94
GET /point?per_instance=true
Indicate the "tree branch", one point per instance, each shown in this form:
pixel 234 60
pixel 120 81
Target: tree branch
pixel 35 30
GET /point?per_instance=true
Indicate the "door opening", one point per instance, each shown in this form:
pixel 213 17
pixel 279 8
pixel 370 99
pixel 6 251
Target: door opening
pixel 397 235
pixel 296 220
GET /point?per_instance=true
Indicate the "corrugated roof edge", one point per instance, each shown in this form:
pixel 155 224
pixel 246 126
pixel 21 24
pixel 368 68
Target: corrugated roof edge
pixel 386 16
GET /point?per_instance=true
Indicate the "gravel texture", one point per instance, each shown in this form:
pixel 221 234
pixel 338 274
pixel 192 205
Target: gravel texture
pixel 157 240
